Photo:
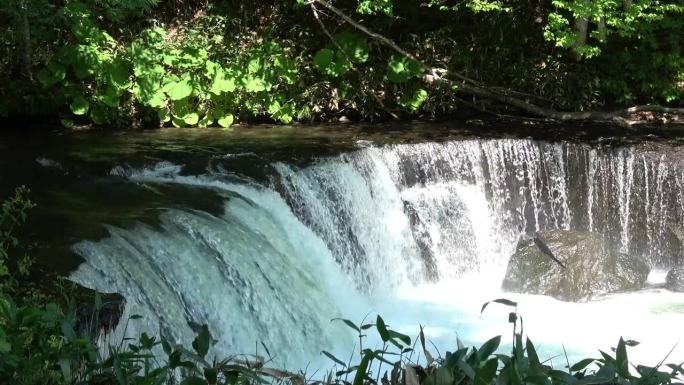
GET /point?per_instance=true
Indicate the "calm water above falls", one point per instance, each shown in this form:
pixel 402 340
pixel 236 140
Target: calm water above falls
pixel 419 232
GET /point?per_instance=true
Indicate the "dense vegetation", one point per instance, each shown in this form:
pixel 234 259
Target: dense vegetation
pixel 209 62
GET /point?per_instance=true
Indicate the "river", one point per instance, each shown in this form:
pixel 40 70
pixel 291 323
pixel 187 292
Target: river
pixel 266 234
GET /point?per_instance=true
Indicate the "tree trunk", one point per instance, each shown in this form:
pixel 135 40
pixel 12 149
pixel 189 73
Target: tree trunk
pixel 25 42
pixel 581 31
pixel 603 33
pixel 435 76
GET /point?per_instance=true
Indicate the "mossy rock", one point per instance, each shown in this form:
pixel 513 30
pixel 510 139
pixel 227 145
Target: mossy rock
pixel 675 280
pixel 585 266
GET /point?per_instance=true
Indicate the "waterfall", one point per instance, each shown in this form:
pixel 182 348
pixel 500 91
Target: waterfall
pixel 345 233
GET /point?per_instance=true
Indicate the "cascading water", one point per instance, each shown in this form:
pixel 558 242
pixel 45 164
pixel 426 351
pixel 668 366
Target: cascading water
pixel 419 233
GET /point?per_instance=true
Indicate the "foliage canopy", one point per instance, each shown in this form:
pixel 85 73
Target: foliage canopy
pixel 151 63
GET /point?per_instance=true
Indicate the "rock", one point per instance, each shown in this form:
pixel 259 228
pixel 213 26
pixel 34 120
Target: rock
pixel 421 237
pixel 574 266
pixel 46 286
pixel 676 242
pixel 675 279
pixel 108 317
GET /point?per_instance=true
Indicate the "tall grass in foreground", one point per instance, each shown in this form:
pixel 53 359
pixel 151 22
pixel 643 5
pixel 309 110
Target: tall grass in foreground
pixel 41 346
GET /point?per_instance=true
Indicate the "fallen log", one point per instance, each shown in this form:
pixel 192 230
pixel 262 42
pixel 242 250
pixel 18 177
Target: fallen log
pixel 626 117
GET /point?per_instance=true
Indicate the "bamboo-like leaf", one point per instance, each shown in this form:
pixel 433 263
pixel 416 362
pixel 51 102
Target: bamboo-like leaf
pixel 332 357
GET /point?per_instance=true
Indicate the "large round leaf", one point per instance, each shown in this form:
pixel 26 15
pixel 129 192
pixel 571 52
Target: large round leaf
pixel 79 106
pixel 401 69
pixel 226 120
pixel 191 118
pixel 178 90
pixel 323 59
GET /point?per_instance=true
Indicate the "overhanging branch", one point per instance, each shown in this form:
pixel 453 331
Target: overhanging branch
pixel 472 87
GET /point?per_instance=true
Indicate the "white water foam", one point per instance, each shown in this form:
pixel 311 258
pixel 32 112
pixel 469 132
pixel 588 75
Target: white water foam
pixel 418 233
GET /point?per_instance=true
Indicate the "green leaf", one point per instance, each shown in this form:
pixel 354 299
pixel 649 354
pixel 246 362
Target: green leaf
pixel 323 58
pixel 622 361
pixel 535 364
pixel 467 369
pixel 402 337
pixel 330 62
pixel 414 100
pixel 177 122
pixel 562 377
pixel 178 90
pixel 191 118
pixel 211 374
pixel 222 83
pixel 502 301
pixel 182 108
pixel 65 366
pixel 157 100
pixel 67 123
pixel 489 347
pixel 110 96
pixel 332 357
pixel 163 115
pixel 486 373
pixel 79 106
pixel 401 69
pixel 273 107
pixel 225 121
pixel 382 329
pixel 52 74
pixel 363 368
pixel 254 65
pixel 201 342
pixel 348 323
pixel 354 46
pixel 206 121
pixel 193 380
pixel 284 113
pixel 582 364
pixel 5 346
pixel 98 114
pixel 118 73
pixel 253 84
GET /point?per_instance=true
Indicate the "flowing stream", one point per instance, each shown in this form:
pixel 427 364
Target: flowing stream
pixel 420 233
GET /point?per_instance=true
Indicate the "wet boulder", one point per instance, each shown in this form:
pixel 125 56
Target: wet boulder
pixel 572 266
pixel 92 318
pixel 675 279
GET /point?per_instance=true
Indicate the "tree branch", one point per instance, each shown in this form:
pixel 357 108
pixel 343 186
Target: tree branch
pixel 339 47
pixel 472 87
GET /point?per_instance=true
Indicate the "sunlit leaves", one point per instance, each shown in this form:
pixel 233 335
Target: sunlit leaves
pixel 413 100
pixel 370 7
pixel 176 79
pixel 178 89
pixel 401 69
pixel 191 118
pixel 225 120
pixel 254 84
pixel 156 100
pixel 475 6
pixel 605 17
pixel 222 82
